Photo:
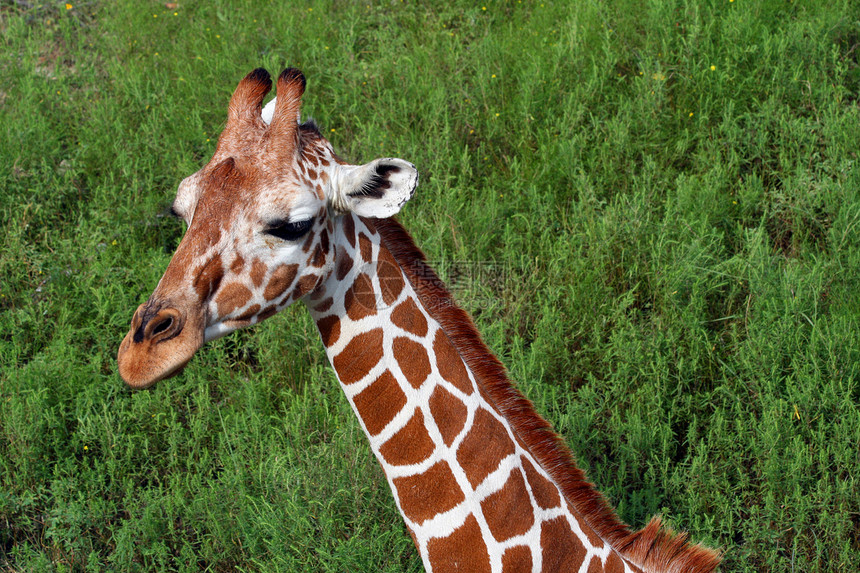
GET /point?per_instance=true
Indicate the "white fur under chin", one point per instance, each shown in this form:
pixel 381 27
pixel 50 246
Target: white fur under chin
pixel 216 331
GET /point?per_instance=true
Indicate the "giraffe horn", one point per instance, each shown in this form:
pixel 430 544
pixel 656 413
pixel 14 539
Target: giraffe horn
pixel 285 120
pixel 247 101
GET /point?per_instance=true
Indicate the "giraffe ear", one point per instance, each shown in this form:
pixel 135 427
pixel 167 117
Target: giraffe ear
pixel 377 189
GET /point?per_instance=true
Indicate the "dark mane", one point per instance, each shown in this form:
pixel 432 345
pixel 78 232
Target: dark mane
pixel 654 547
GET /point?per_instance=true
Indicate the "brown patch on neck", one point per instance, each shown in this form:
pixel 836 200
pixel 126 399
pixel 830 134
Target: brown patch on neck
pixel 652 547
pixel 463 550
pixel 425 495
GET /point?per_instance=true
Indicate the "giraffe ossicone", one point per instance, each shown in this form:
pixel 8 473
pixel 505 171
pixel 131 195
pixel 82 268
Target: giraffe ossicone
pixel 482 482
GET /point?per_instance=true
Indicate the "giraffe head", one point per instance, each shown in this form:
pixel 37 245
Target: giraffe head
pixel 261 218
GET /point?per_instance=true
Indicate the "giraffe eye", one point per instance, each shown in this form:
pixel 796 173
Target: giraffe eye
pixel 289 231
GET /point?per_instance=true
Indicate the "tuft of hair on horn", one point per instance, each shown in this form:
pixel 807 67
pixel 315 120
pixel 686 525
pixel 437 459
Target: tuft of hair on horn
pixel 293 77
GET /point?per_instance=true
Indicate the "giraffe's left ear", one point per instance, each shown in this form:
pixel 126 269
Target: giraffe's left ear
pixel 377 189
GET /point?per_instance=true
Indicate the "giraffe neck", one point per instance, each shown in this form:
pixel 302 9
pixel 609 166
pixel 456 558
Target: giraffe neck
pixel 472 494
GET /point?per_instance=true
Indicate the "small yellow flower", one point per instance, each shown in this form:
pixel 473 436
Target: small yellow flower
pixel 176 13
pixel 497 115
pixel 494 75
pixel 332 130
pixel 85 447
pixel 113 242
pixel 713 68
pixel 691 114
pixel 483 7
pixel 68 6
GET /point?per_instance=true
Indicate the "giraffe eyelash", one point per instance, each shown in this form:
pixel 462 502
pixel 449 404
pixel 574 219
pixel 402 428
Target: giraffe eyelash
pixel 288 231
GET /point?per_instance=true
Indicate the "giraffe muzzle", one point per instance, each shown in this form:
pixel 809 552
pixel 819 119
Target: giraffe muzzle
pixel 158 345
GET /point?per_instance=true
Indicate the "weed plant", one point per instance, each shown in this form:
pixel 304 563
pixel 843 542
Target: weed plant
pixel 663 197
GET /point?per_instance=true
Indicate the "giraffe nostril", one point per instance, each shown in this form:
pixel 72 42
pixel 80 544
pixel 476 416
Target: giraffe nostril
pixel 162 325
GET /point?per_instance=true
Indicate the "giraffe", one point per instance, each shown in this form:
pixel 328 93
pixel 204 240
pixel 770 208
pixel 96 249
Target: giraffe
pixel 481 480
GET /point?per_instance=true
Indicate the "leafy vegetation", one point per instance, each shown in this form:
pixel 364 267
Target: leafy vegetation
pixel 666 193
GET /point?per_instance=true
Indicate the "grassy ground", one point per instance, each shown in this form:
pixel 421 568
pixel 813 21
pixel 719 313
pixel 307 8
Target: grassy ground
pixel 667 195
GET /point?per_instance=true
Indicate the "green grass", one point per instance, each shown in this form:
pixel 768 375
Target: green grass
pixel 668 192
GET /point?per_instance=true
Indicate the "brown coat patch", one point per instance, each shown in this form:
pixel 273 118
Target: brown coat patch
pixel 207 277
pixel 237 265
pixel 258 272
pixel 249 314
pixel 317 258
pixel 231 297
pixel 380 402
pixel 308 242
pixel 324 305
pixel 359 299
pixel 448 412
pixel 413 360
pixel 449 363
pixel 365 247
pixel 545 492
pixel 517 559
pixel 329 328
pixel 344 265
pixel 268 311
pixel 595 565
pixel 390 278
pixel 305 285
pixel 349 228
pixel 509 511
pixel 484 447
pixel 408 317
pixel 424 495
pixel 359 357
pixel 463 551
pixel 411 445
pixel 562 549
pixel 280 281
